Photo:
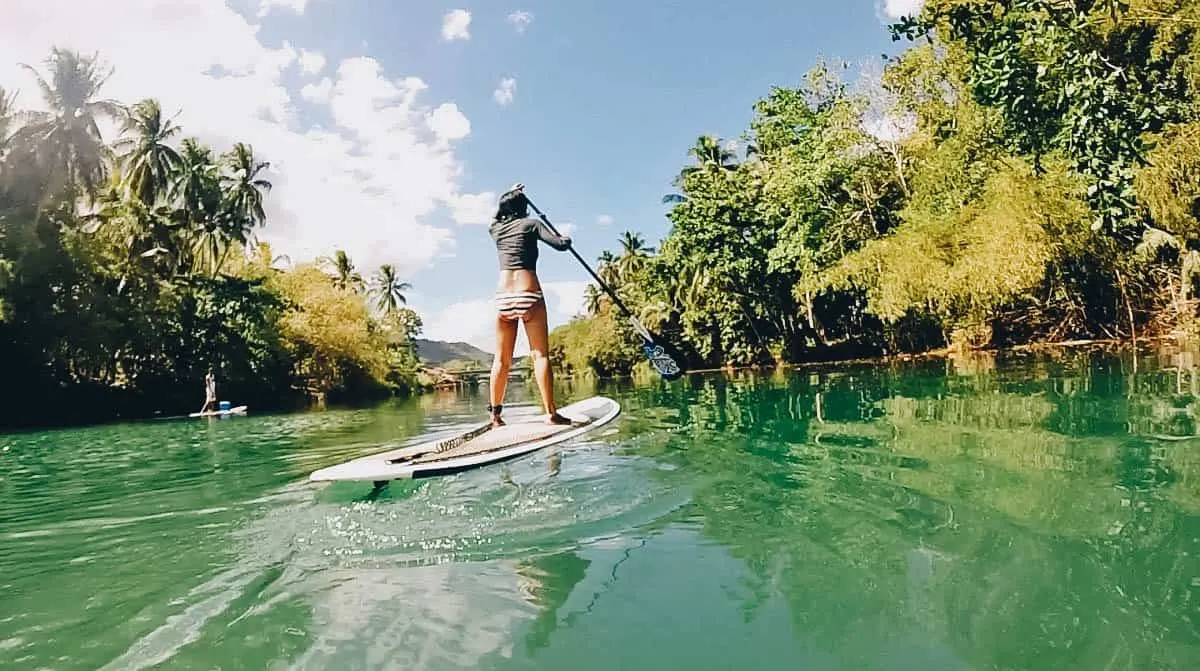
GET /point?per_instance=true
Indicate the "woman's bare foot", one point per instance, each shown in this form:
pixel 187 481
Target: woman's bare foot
pixel 556 418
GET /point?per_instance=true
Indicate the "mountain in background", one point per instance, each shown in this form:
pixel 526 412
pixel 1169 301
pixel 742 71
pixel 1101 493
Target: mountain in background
pixel 436 352
pixel 459 355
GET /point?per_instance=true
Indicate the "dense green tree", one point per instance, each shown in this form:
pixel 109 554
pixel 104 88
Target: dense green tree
pixel 1087 78
pixel 129 265
pixel 1026 171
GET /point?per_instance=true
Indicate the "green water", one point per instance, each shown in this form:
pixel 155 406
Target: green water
pixel 1022 515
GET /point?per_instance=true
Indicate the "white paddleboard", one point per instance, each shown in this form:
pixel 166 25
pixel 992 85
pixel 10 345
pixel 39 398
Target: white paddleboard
pixel 478 447
pixel 239 410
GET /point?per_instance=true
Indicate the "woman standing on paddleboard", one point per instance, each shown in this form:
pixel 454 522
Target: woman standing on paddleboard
pixel 210 391
pixel 519 299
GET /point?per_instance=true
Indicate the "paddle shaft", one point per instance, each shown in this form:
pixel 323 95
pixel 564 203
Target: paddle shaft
pixel 585 265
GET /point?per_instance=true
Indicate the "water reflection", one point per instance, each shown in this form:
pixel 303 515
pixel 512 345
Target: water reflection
pixel 1026 520
pixel 447 615
pixel 546 583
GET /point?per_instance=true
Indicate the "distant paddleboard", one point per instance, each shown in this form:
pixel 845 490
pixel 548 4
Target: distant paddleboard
pixel 239 410
pixel 478 447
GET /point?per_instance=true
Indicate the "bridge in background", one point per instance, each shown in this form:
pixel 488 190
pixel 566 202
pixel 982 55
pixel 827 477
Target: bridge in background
pixel 452 379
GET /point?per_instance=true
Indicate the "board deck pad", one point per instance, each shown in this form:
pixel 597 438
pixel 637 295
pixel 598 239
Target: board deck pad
pixel 475 447
pixel 499 438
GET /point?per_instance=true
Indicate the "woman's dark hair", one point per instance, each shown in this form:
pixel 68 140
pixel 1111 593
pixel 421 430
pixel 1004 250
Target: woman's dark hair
pixel 513 205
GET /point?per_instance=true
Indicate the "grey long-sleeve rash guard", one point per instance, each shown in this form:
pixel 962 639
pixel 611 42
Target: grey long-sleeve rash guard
pixel 516 242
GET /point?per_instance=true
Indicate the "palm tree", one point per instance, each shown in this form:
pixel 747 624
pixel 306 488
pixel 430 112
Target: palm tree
pixel 609 270
pixel 244 192
pixel 8 115
pixel 344 275
pixel 155 234
pixel 196 191
pixel 709 153
pixel 632 244
pixel 150 164
pixel 197 187
pixel 592 297
pixel 66 141
pixel 634 252
pixel 8 118
pixel 388 289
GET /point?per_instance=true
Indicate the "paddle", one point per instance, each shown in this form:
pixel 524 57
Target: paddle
pixel 652 347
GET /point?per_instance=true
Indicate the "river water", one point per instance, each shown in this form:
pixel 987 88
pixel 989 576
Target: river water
pixel 1025 514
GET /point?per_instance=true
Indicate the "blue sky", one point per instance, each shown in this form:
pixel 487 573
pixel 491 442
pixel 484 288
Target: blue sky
pixel 398 145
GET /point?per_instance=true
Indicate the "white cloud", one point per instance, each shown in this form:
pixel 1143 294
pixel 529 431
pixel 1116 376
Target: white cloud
pixel 267 6
pixel 471 321
pixel 520 20
pixel 474 208
pixel 319 92
pixel 474 321
pixel 898 8
pixel 364 182
pixel 455 25
pixel 566 228
pixel 565 300
pixel 311 62
pixel 506 91
pixel 604 219
pixel 448 123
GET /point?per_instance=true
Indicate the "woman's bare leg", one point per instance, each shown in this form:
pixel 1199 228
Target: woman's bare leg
pixel 506 339
pixel 537 331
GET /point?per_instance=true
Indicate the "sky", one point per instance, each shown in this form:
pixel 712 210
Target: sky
pixel 391 126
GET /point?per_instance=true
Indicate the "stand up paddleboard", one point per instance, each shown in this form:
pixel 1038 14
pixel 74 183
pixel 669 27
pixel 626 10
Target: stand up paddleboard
pixel 477 447
pixel 240 410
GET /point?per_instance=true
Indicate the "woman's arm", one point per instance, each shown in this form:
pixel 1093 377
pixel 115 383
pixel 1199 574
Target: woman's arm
pixel 559 242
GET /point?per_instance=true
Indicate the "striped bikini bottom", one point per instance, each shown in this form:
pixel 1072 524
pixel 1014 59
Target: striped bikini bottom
pixel 515 304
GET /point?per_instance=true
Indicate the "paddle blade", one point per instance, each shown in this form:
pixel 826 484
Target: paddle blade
pixel 663 361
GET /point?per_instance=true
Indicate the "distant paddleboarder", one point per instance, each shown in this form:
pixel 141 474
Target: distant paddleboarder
pixel 210 391
pixel 519 299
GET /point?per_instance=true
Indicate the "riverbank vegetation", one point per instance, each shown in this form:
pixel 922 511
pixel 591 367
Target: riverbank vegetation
pixel 130 264
pixel 1026 171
